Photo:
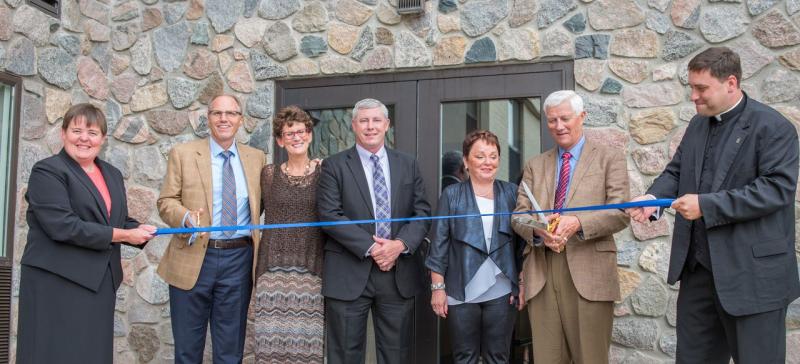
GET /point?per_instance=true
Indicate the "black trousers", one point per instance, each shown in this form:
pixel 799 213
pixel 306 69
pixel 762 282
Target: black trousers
pixel 482 330
pixel 707 334
pixel 392 316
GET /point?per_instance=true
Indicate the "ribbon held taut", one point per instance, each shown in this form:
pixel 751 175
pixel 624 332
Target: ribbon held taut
pixel 664 202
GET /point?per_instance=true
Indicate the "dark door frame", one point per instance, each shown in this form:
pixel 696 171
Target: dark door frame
pixel 7 261
pixel 430 89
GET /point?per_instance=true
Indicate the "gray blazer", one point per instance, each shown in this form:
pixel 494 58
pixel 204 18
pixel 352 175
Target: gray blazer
pixel 749 214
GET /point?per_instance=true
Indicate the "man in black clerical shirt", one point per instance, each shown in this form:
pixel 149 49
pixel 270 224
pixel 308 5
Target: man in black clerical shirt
pixel 734 175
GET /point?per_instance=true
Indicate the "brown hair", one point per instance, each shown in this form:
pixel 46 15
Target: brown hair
pixel 289 115
pixel 487 136
pixel 91 115
pixel 721 62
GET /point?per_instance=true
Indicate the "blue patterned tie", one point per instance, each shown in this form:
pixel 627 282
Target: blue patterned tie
pixel 228 194
pixel 382 208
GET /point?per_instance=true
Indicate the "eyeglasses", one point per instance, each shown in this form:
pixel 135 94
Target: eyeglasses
pixel 290 134
pixel 228 114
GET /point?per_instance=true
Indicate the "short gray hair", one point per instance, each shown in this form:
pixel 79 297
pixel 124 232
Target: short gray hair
pixel 233 97
pixel 559 97
pixel 370 104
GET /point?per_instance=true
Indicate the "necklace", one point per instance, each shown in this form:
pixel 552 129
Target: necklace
pixel 306 170
pixel 486 194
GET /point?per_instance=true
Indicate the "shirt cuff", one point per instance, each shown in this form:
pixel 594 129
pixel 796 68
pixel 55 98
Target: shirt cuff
pixel 186 219
pixel 657 214
pixel 406 251
pixel 369 251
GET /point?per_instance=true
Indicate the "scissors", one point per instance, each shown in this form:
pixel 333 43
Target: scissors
pixel 552 225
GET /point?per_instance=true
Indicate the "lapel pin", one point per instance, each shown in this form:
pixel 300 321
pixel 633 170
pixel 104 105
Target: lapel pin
pixel 738 140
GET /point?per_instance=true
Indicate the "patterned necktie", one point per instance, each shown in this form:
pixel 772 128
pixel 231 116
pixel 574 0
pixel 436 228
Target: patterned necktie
pixel 228 194
pixel 563 181
pixel 382 208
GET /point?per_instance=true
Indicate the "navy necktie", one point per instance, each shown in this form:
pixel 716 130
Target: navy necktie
pixel 228 194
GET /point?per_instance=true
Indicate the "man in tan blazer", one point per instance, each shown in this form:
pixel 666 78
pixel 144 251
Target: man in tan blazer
pixel 571 281
pixel 213 181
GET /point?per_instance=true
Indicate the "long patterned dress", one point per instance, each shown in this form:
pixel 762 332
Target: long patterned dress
pixel 289 306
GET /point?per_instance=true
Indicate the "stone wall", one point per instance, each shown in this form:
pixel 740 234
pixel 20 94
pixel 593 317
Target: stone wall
pixel 152 65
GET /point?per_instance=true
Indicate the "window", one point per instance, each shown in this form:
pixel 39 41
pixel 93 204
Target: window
pixel 10 87
pixel 50 7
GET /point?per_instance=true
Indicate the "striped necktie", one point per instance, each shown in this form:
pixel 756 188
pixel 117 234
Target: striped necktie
pixel 563 181
pixel 382 208
pixel 228 194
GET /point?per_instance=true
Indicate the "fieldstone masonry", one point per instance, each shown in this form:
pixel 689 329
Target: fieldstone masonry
pixel 153 65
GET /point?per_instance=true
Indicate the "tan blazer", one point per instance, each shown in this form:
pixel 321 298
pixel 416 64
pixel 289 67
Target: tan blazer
pixel 600 177
pixel 186 187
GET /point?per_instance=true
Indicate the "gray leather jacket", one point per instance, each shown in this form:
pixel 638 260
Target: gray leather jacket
pixel 458 248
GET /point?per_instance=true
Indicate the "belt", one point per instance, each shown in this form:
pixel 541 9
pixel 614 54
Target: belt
pixel 230 243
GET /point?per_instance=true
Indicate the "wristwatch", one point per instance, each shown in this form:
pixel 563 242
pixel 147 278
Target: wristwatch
pixel 435 286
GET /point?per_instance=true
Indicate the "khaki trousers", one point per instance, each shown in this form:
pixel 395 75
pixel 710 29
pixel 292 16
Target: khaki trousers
pixel 566 327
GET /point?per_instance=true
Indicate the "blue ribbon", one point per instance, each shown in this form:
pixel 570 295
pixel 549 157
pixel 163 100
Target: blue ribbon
pixel 664 202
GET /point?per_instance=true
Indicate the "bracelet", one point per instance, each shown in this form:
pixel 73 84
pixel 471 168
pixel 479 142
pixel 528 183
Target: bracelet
pixel 437 286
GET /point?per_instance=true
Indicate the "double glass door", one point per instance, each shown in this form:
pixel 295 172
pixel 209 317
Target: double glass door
pixel 430 114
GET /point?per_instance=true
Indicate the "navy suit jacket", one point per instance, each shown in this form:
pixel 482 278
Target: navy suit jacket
pixel 749 213
pixel 69 226
pixel 343 194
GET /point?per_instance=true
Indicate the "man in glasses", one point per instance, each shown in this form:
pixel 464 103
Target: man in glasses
pixel 213 181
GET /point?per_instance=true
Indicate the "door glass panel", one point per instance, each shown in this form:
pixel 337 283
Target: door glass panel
pixel 333 134
pixel 516 122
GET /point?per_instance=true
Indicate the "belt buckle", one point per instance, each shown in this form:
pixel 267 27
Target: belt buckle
pixel 217 244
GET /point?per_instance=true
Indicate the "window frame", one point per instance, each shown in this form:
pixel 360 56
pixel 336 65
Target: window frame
pixel 53 10
pixel 16 83
pixel 7 261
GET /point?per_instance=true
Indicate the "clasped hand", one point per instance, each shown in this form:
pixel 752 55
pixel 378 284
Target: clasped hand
pixel 386 251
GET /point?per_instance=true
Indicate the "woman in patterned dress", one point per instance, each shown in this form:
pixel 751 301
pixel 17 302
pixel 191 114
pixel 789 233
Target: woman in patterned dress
pixel 288 303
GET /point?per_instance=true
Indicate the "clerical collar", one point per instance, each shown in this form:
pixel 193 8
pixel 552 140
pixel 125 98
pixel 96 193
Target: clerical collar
pixel 734 110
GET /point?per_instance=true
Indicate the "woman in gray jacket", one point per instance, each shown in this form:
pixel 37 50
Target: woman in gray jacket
pixel 475 262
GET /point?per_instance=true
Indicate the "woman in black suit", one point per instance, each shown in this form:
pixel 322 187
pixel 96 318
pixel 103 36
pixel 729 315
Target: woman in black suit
pixel 475 262
pixel 77 217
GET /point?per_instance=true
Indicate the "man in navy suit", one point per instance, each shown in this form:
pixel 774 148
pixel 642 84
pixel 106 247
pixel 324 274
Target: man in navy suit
pixel 734 175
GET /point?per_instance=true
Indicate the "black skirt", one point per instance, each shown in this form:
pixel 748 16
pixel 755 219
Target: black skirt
pixel 63 322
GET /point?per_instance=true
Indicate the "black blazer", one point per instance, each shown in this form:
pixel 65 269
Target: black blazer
pixel 749 214
pixel 69 227
pixel 343 194
pixel 459 247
